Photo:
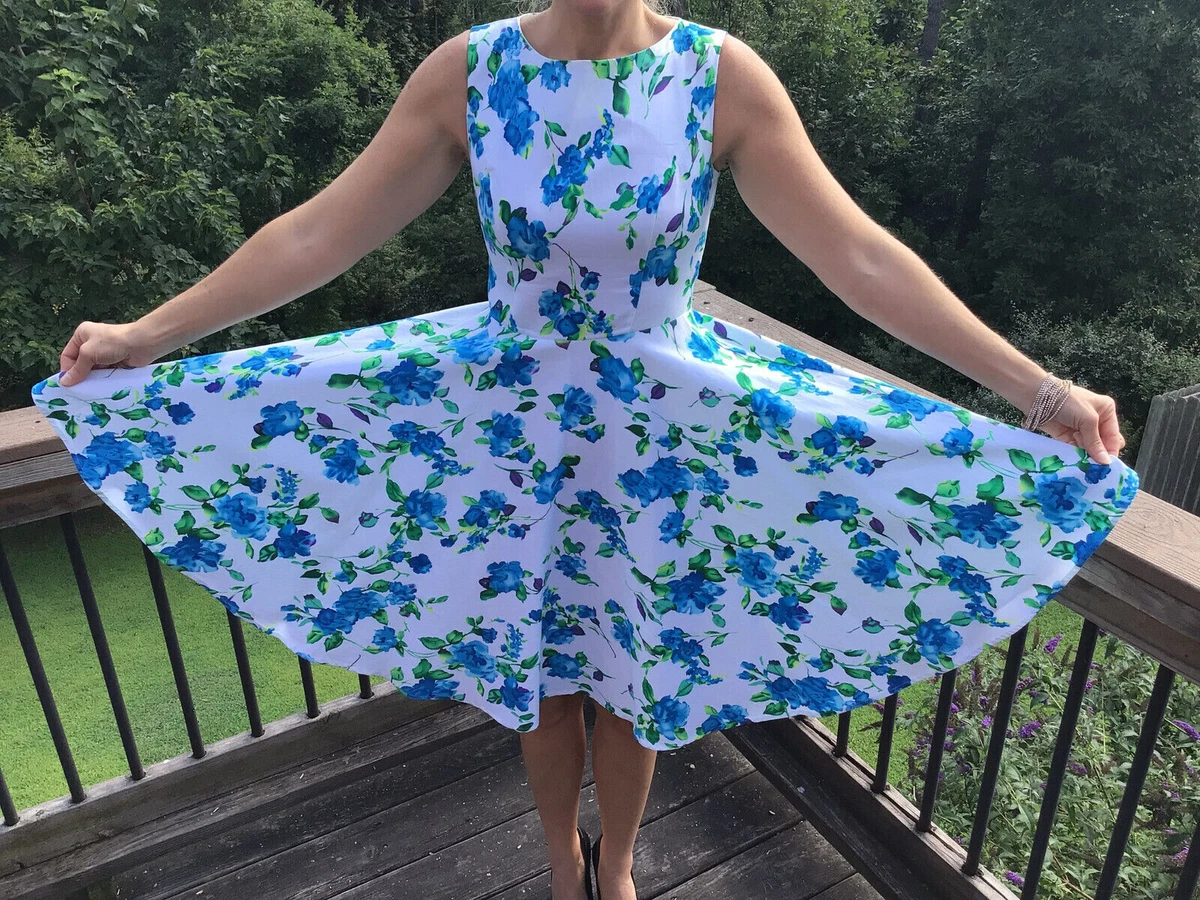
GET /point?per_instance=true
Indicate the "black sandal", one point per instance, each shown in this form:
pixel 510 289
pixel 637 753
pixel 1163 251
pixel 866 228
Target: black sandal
pixel 585 846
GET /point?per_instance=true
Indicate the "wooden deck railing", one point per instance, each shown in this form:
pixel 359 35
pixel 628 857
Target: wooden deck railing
pixel 1142 584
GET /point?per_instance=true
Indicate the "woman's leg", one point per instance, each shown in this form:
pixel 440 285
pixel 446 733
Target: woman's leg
pixel 554 757
pixel 623 769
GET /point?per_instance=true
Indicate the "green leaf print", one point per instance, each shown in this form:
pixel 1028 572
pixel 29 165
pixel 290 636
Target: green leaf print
pixel 1022 460
pixel 619 156
pixel 620 99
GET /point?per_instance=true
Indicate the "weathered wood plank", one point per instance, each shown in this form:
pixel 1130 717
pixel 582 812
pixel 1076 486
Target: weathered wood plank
pixel 797 864
pixel 24 434
pixel 265 836
pixel 853 888
pixel 349 857
pixel 874 831
pixel 124 822
pixel 825 804
pixel 671 850
pixel 45 499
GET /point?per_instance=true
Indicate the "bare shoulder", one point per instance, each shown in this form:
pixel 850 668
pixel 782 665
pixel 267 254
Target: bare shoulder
pixel 749 94
pixel 438 87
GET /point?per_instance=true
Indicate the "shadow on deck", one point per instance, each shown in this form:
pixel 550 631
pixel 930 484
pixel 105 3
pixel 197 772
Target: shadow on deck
pixel 449 814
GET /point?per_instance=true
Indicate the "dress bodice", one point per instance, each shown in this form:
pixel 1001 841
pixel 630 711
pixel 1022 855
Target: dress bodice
pixel 593 179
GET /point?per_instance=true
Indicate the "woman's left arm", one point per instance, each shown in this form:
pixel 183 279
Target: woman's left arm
pixel 785 184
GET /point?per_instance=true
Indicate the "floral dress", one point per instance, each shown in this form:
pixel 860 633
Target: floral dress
pixel 582 483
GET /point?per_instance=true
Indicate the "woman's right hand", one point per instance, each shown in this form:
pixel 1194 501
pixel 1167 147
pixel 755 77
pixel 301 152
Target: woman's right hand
pixel 95 345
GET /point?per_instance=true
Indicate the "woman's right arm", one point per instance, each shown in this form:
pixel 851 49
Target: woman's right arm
pixel 407 166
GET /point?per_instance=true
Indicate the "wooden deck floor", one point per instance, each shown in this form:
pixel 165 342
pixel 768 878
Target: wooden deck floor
pixel 458 823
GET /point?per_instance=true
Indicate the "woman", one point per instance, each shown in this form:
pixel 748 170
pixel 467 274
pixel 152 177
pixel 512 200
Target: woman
pixel 586 392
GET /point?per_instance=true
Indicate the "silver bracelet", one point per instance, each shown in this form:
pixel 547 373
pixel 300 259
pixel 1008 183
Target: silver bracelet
pixel 1051 395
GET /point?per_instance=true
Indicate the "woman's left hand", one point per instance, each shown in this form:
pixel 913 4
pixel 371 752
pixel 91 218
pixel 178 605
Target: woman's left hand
pixel 1088 420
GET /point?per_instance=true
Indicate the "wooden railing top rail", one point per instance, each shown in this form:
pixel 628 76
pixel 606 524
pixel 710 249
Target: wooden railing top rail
pixel 1151 561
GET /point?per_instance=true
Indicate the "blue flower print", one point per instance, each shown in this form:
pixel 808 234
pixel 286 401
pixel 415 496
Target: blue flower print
pixel 425 507
pixel 1060 500
pixel 958 441
pixel 577 404
pixel 502 431
pixel 685 36
pixel 702 97
pixel 850 427
pixel 659 263
pixel 474 348
pixel 357 604
pixel 877 568
pixel 1086 547
pixel 902 401
pixel 475 658
pixel 411 384
pixel 664 477
pixel 549 483
pixel 617 378
pixel 788 613
pixel 528 238
pixel 771 410
pixel 292 541
pixel 670 713
pixel 671 526
pixel 729 715
pixel 245 517
pixel 158 445
pixel 693 593
pixel 508 96
pixel 428 443
pixel 180 413
pixel 981 525
pixel 1096 472
pixel 562 666
pixel 105 455
pixel 515 368
pixel 281 418
pixel 650 192
pixel 745 465
pixel 137 495
pixel 711 482
pixel 427 688
pixel 504 577
pixel 554 75
pixel 757 571
pixel 703 345
pixel 590 280
pixel 514 696
pixel 831 507
pixel 936 637
pixel 194 555
pixel 508 42
pixel 343 465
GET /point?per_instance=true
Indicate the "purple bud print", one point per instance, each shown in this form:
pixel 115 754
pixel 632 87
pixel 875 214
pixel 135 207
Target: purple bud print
pixel 658 391
pixel 1052 644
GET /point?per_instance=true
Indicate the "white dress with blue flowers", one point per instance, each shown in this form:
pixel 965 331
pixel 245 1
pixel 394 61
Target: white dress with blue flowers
pixel 582 483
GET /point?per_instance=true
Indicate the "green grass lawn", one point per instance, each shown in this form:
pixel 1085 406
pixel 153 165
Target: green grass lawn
pixel 114 557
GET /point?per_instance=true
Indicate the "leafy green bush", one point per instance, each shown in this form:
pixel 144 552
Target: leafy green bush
pixel 1119 687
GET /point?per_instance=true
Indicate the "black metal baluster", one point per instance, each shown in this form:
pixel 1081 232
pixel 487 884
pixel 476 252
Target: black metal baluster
pixel 937 746
pixel 6 803
pixel 887 728
pixel 310 690
pixel 100 640
pixel 45 696
pixel 1156 711
pixel 1058 762
pixel 174 653
pixel 364 687
pixel 243 664
pixel 991 766
pixel 1191 870
pixel 843 735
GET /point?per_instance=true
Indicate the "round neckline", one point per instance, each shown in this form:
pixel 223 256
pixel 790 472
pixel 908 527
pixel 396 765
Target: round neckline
pixel 654 48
